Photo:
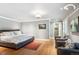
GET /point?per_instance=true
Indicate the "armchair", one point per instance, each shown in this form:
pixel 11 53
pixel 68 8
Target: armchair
pixel 60 42
pixel 74 50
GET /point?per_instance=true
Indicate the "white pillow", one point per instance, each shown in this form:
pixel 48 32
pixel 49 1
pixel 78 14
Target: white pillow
pixel 12 33
pixel 18 32
pixel 2 34
pixel 6 34
pixel 3 38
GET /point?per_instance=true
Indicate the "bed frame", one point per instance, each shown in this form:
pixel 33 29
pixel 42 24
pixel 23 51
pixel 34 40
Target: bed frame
pixel 12 45
pixel 9 30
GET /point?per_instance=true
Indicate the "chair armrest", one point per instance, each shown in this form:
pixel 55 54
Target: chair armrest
pixel 67 51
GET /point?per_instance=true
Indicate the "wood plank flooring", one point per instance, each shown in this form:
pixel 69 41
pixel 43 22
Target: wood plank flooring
pixel 46 48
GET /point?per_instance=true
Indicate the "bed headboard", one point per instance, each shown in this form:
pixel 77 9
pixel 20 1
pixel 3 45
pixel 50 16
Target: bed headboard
pixel 8 30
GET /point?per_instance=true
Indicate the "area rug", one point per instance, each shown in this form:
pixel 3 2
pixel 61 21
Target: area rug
pixel 33 45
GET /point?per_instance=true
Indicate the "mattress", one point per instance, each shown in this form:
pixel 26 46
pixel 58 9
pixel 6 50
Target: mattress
pixel 15 41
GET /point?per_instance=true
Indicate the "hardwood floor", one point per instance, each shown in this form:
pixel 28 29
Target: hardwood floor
pixel 49 48
pixel 46 48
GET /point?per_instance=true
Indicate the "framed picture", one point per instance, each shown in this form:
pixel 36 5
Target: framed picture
pixel 42 26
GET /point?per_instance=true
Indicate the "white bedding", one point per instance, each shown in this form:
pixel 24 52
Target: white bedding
pixel 15 39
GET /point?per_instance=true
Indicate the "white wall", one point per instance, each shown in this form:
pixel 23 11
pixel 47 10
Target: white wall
pixel 51 30
pixel 28 28
pixel 31 28
pixel 7 24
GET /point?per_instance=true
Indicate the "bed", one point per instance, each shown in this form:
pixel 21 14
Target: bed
pixel 15 42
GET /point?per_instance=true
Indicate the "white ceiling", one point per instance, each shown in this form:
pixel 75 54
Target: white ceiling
pixel 24 11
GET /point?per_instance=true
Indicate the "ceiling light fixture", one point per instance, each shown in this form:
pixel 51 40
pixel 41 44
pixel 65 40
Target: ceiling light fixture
pixel 38 13
pixel 66 7
pixel 38 16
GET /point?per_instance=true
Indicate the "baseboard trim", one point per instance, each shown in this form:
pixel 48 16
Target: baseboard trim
pixel 43 39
